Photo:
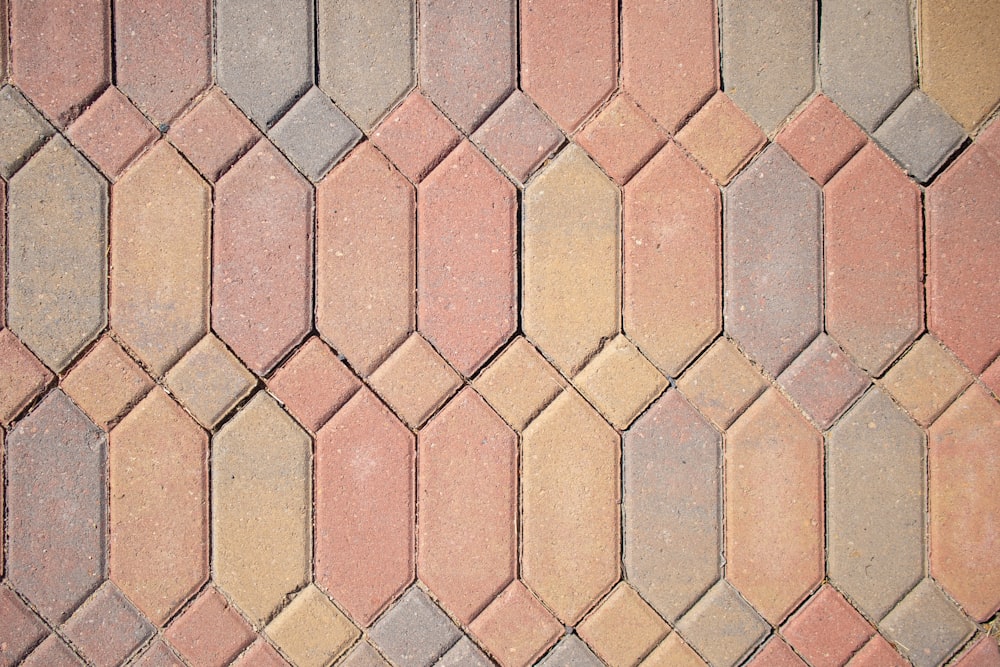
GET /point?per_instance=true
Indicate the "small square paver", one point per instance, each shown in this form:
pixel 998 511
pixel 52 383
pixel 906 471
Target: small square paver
pixel 213 134
pixel 519 383
pixel 415 381
pixel 107 628
pixel 363 654
pixel 722 383
pixel 20 628
pixel 315 134
pixel 106 382
pixel 518 136
pixel 821 138
pixel 516 628
pixel 673 652
pixel 53 652
pixel 414 632
pixel 415 136
pixel 260 654
pixel 984 653
pixel 158 654
pixel 464 654
pixel 620 381
pixel 311 630
pixel 721 137
pixel 878 653
pixel 926 626
pixel 926 380
pixel 209 380
pixel 776 653
pixel 623 628
pixel 22 131
pixel 920 135
pixel 313 384
pixel 823 380
pixel 571 652
pixel 721 626
pixel 209 632
pixel 827 631
pixel 621 138
pixel 22 376
pixel 112 132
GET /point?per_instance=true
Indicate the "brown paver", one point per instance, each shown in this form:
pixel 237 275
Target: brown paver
pixel 467 495
pixel 22 131
pixel 926 380
pixel 363 655
pixel 160 227
pixel 107 629
pixel 823 381
pixel 416 136
pixel 673 652
pixel 415 380
pixel 106 383
pixel 159 468
pixel 821 138
pixel 158 654
pixel 20 629
pixel 112 132
pixel 621 138
pixel 311 631
pixel 926 626
pixel 518 136
pixel 620 382
pixel 878 653
pixel 313 384
pixel 261 654
pixel 570 492
pixel 776 653
pixel 984 654
pixel 721 137
pixel 722 383
pixel 364 507
pixel 466 258
pixel 210 632
pixel 213 134
pixel 827 631
pixel 623 628
pixel 721 626
pixel 209 381
pixel 519 383
pixel 53 652
pixel 22 377
pixel 515 628
pixel 415 632
pixel 672 260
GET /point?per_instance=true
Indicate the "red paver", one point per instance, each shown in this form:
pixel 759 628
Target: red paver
pixel 213 134
pixel 210 633
pixel 985 653
pixel 518 136
pixel 776 653
pixel 61 53
pixel 53 652
pixel 874 273
pixel 313 384
pixel 991 377
pixel 416 136
pixel 670 57
pixel 827 631
pixel 823 381
pixel 672 260
pixel 112 132
pixel 158 654
pixel 163 53
pixel 516 629
pixel 262 255
pixel 621 138
pixel 365 267
pixel 466 258
pixel 878 653
pixel 22 377
pixel 990 139
pixel 821 138
pixel 3 241
pixel 20 629
pixel 569 56
pixel 261 654
pixel 107 629
pixel 467 494
pixel 106 382
pixel 721 137
pixel 364 507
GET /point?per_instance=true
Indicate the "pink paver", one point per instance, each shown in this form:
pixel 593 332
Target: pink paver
pixel 313 384
pixel 621 138
pixel 518 136
pixel 22 376
pixel 827 631
pixel 821 138
pixel 516 628
pixel 213 134
pixel 210 632
pixel 112 132
pixel 415 136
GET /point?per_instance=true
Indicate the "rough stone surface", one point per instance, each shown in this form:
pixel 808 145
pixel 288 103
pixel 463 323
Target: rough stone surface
pixel 926 626
pixel 311 631
pixel 821 138
pixel 22 377
pixel 210 631
pixel 112 132
pixel 313 384
pixel 209 381
pixel 415 632
pixel 22 131
pixel 515 628
pixel 415 381
pixel 620 382
pixel 107 629
pixel 416 136
pixel 827 631
pixel 213 134
pixel 926 380
pixel 314 134
pixel 518 136
pixel 722 383
pixel 20 629
pixel 621 138
pixel 823 381
pixel 571 652
pixel 722 626
pixel 106 383
pixel 721 137
pixel 920 135
pixel 623 628
pixel 519 383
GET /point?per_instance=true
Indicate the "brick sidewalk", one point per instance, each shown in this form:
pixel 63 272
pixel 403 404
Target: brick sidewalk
pixel 475 332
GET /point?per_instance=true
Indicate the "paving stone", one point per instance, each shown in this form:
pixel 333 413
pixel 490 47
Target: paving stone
pixel 672 260
pixel 920 135
pixel 107 629
pixel 23 377
pixel 984 654
pixel 963 267
pixel 875 504
pixel 366 53
pixel 467 258
pixel 414 632
pixel 776 653
pixel 415 381
pixel 311 631
pixel 209 381
pixel 623 628
pixel 991 377
pixel 866 56
pixel 926 626
pixel 569 56
pixel 213 134
pixel 673 652
pixel 963 464
pixel 106 383
pixel 53 652
pixel 926 380
pixel 722 383
pixel 878 653
pixel 721 137
pixel 771 237
pixel 159 469
pixel 365 250
pixel 158 654
pixel 515 628
pixel 464 654
pixel 20 629
pixel 959 56
pixel 60 53
pixel 314 134
pixel 160 225
pixel 363 655
pixel 261 495
pixel 112 132
pixel 518 136
pixel 621 138
pixel 264 54
pixel 774 506
pixel 571 652
pixel 827 631
pixel 570 227
pixel 210 632
pixel 22 131
pixel 570 492
pixel 721 626
pixel 672 505
pixel 416 136
pixel 467 56
pixel 823 381
pixel 261 654
pixel 56 507
pixel 364 507
pixel 620 382
pixel 3 38
pixel 262 250
pixel 989 139
pixel 313 384
pixel 163 55
pixel 670 57
pixel 57 231
pixel 467 494
pixel 519 383
pixel 3 250
pixel 821 138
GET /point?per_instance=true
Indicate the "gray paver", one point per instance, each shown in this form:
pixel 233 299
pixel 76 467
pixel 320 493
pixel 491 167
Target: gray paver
pixel 363 655
pixel 464 654
pixel 920 135
pixel 22 131
pixel 414 632
pixel 926 626
pixel 571 652
pixel 722 626
pixel 315 134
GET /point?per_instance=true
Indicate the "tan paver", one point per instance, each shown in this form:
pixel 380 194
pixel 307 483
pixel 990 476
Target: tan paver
pixel 722 626
pixel 415 381
pixel 22 131
pixel 722 383
pixel 623 628
pixel 673 652
pixel 926 380
pixel 209 381
pixel 519 383
pixel 620 382
pixel 311 630
pixel 721 137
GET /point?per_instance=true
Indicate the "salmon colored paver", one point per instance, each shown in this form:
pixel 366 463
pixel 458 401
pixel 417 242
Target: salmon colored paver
pixel 500 333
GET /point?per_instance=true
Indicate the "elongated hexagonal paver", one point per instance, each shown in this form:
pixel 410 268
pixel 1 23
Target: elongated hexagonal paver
pixel 571 228
pixel 467 56
pixel 467 493
pixel 963 265
pixel 920 135
pixel 963 466
pixel 570 493
pixel 112 132
pixel 60 53
pixel 366 52
pixel 518 136
pixel 20 628
pixel 107 628
pixel 875 504
pixel 22 131
pixel 721 137
pixel 262 258
pixel 926 380
pixel 672 505
pixel 519 383
pixel 866 56
pixel 623 628
pixel 365 271
pixel 415 632
pixel 311 631
pixel 670 57
pixel 672 260
pixel 569 56
pixel 159 468
pixel 722 626
pixel 466 258
pixel 771 237
pixel 516 628
pixel 163 57
pixel 827 631
pixel 821 138
pixel 160 226
pixel 774 506
pixel 364 507
pixel 264 54
pixel 56 507
pixel 22 377
pixel 213 134
pixel 926 626
pixel 209 631
pixel 261 494
pixel 314 134
pixel 57 231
